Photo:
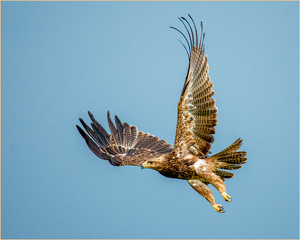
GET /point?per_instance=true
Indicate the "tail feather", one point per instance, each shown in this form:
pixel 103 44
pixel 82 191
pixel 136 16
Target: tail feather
pixel 234 158
pixel 224 174
pixel 231 149
pixel 229 159
pixel 230 167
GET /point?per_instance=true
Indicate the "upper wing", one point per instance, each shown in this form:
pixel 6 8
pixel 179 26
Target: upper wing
pixel 125 145
pixel 197 112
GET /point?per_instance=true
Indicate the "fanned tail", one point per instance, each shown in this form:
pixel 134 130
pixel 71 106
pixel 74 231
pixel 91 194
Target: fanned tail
pixel 229 159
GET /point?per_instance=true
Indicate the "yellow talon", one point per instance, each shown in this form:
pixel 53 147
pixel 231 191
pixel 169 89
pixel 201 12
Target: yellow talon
pixel 226 197
pixel 219 208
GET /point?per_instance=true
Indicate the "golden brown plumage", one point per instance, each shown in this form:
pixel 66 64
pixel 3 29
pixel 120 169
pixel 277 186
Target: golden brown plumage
pixel 196 121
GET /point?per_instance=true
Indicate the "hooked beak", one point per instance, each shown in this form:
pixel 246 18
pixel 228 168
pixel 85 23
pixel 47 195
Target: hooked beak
pixel 143 166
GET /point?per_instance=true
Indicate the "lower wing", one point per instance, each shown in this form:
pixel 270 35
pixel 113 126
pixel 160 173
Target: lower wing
pixel 125 145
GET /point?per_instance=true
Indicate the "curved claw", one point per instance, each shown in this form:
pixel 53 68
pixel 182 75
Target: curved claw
pixel 219 208
pixel 226 197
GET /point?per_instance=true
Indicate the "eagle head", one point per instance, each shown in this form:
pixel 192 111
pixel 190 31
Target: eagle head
pixel 154 163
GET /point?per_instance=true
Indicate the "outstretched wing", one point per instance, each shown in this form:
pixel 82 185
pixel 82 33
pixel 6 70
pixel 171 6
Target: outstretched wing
pixel 197 112
pixel 125 145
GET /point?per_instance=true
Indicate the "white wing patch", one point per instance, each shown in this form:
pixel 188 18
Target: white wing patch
pixel 199 163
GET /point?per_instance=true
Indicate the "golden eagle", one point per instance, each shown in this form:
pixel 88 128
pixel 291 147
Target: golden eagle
pixel 196 121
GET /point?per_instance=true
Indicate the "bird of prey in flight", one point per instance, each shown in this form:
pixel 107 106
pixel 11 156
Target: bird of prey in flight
pixel 190 158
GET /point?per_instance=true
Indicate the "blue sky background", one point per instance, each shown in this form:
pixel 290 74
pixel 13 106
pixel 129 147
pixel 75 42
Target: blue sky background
pixel 61 59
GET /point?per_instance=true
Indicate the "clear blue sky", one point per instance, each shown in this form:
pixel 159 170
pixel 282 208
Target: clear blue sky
pixel 61 59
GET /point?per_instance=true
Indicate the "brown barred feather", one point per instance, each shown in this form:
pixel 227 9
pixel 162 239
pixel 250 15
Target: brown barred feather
pixel 231 167
pixel 120 130
pixel 201 77
pixel 201 68
pixel 230 158
pixel 206 137
pixel 207 122
pixel 113 130
pixel 224 174
pixel 112 150
pixel 147 141
pixel 202 87
pixel 204 129
pixel 231 149
pixel 125 146
pixel 92 134
pixel 127 134
pixel 152 142
pixel 166 147
pixel 133 136
pixel 143 138
pixel 203 120
pixel 197 112
pixel 201 143
pixel 208 104
pixel 92 145
pixel 138 139
pixel 99 127
pixel 158 144
pixel 204 112
pixel 204 97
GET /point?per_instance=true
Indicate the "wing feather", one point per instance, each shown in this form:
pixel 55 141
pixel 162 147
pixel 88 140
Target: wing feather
pixel 147 141
pixel 231 149
pixel 93 146
pixel 133 136
pixel 201 88
pixel 120 129
pixel 203 112
pixel 158 144
pixel 197 111
pixel 99 127
pixel 127 134
pixel 153 142
pixel 112 150
pixel 143 138
pixel 200 69
pixel 91 133
pixel 166 147
pixel 125 145
pixel 113 130
pixel 139 140
pixel 99 134
pixel 203 97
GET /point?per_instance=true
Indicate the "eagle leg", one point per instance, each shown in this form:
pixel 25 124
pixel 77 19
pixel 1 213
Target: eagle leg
pixel 213 179
pixel 205 192
pixel 219 208
pixel 226 197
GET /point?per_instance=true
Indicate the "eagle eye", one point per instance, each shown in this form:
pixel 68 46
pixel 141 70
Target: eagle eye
pixel 151 162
